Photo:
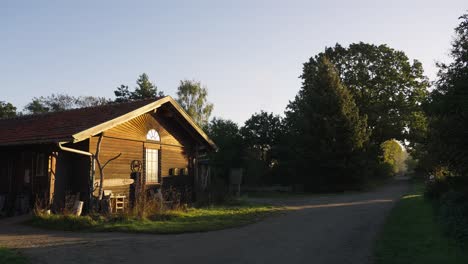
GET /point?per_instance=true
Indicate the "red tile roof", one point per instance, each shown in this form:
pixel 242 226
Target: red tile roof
pixel 60 126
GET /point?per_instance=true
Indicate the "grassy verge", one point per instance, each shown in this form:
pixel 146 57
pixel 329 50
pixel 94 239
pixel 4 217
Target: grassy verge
pixel 412 235
pixel 168 222
pixel 8 256
pixel 277 195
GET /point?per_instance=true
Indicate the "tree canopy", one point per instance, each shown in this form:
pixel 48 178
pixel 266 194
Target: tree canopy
pixel 60 102
pixel 386 87
pixel 145 89
pixel 7 110
pixel 394 155
pixel 229 141
pixel 447 142
pixel 193 98
pixel 262 132
pixel 325 127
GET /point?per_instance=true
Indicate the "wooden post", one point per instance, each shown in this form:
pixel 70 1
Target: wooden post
pixel 51 174
pixel 91 183
pixel 196 173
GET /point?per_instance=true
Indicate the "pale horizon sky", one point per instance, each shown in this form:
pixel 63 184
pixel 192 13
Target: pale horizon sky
pixel 248 54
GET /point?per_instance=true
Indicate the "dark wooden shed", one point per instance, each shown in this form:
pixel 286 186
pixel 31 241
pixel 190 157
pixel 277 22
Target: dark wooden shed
pixel 43 158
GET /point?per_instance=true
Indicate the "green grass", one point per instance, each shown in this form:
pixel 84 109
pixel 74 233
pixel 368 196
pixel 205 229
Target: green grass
pixel 169 222
pixel 8 256
pixel 277 195
pixel 412 234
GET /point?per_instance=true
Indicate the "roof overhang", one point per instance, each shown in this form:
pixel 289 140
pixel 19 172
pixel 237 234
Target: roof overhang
pixel 85 134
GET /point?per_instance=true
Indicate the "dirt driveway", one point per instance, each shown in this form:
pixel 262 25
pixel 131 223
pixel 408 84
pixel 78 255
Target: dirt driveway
pixel 327 229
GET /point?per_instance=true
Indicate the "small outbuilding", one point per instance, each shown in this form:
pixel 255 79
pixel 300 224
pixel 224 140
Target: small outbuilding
pixel 48 157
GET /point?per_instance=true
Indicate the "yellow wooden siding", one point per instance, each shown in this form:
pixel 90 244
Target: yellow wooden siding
pixel 138 127
pixel 130 140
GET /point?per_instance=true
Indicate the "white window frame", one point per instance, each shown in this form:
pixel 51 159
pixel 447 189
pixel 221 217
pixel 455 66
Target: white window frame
pixel 151 166
pixel 153 135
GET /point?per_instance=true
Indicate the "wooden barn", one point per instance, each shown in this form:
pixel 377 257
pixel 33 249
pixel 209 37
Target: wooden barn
pixel 46 158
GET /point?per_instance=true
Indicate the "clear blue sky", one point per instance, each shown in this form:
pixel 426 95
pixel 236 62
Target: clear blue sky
pixel 249 54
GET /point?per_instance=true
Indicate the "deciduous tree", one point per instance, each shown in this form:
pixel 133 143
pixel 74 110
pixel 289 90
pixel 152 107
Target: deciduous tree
pixel 227 136
pixel 7 110
pixel 61 102
pixel 386 87
pixel 193 98
pixel 261 134
pixel 394 155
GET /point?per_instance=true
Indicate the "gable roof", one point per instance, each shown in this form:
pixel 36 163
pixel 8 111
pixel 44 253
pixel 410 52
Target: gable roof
pixel 79 124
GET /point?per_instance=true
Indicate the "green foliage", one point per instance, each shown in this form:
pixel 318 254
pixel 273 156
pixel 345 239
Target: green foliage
pixel 193 98
pixel 145 89
pixel 412 235
pixel 326 130
pixel 449 195
pixel 394 155
pixel 261 135
pixel 411 164
pixel 447 143
pixel 386 87
pixel 230 146
pixel 61 102
pixel 36 107
pixel 262 132
pixel 122 94
pixel 7 110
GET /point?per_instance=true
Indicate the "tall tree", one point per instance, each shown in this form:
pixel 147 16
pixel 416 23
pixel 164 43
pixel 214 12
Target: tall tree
pixel 393 155
pixel 7 110
pixel 229 141
pixel 261 132
pixel 448 107
pixel 325 128
pixel 122 94
pixel 36 106
pixel 193 98
pixel 145 89
pixel 386 86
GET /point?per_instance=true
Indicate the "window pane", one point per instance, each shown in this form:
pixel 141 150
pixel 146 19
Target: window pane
pixel 151 165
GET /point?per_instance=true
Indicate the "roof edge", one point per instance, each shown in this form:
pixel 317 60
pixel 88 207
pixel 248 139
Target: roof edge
pixel 85 134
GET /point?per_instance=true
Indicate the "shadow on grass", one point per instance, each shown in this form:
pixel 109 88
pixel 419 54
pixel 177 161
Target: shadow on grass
pixel 411 234
pixel 9 256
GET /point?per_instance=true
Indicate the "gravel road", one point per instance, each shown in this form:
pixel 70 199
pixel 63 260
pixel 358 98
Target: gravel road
pixel 317 229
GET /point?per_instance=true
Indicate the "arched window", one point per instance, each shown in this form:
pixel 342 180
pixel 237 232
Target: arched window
pixel 153 135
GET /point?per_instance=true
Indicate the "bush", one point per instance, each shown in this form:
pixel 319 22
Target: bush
pixel 453 213
pixel 449 195
pixel 436 188
pixel 440 185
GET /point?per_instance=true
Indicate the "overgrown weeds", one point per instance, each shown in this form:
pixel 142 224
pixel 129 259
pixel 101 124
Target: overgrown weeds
pixel 164 222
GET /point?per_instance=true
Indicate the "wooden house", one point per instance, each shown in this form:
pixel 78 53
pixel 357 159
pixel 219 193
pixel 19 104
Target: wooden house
pixel 49 156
